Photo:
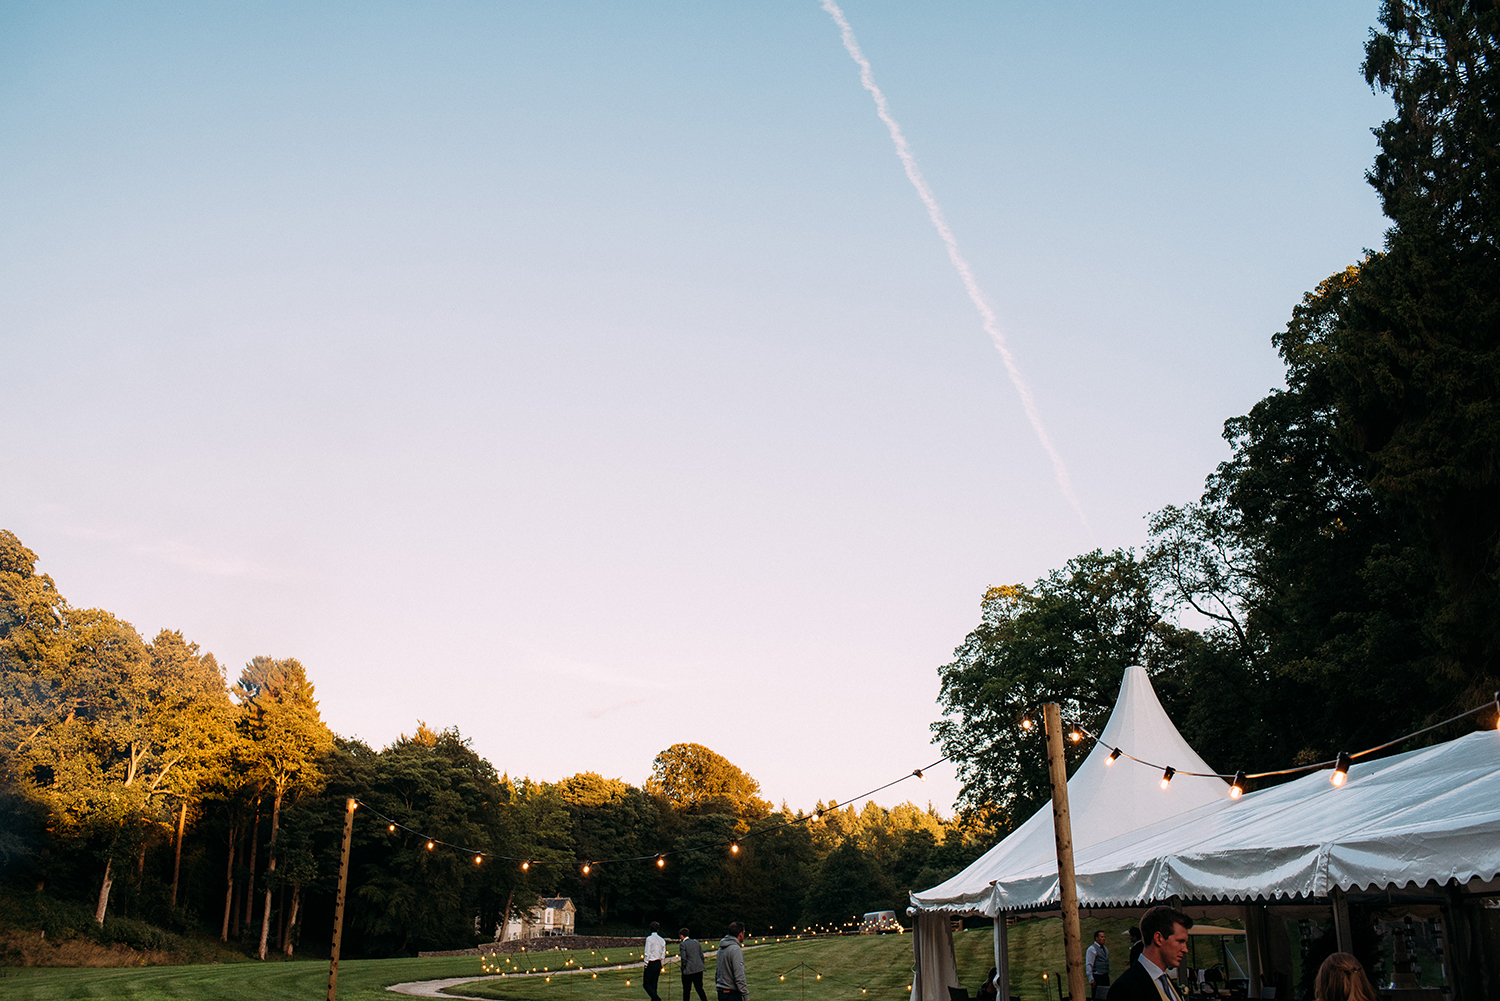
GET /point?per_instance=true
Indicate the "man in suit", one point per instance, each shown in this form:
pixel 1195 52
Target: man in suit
pixel 1164 934
pixel 690 951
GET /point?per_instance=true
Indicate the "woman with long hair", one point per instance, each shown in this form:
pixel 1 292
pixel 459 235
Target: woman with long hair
pixel 1341 978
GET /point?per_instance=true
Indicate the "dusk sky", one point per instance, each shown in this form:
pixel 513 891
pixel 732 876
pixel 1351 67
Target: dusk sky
pixel 590 377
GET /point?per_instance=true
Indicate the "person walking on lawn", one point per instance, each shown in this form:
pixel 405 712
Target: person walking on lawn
pixel 653 954
pixel 690 953
pixel 729 971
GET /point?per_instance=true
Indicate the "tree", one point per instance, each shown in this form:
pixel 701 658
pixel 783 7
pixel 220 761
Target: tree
pixel 1066 639
pixel 1411 352
pixel 694 779
pixel 286 736
pixel 610 819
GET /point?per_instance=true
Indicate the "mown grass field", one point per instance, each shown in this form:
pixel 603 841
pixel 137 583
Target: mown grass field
pixel 840 969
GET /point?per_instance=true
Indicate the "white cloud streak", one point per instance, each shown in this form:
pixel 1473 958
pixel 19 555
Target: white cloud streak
pixel 965 273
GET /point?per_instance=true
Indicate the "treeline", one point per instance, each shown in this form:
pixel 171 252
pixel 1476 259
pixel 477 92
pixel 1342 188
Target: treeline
pixel 136 777
pixel 1341 570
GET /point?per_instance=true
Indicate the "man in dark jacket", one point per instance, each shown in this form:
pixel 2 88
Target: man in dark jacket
pixel 1164 934
pixel 690 952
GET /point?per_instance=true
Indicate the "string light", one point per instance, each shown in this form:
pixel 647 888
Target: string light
pixel 392 828
pixel 526 865
pixel 431 845
pixel 661 862
pixel 734 847
pixel 586 867
pixel 1340 769
pixel 1074 733
pixel 1113 757
pixel 1166 776
pixel 1027 722
pixel 1237 787
pixel 478 859
pixel 918 774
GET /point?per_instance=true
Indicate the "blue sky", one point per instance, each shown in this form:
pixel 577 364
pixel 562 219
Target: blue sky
pixel 589 376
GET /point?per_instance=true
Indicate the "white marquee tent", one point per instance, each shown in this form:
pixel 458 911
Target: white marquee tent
pixel 1408 821
pixel 1106 801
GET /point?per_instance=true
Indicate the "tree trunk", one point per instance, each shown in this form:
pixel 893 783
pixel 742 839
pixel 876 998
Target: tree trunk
pixel 104 893
pixel 234 836
pixel 505 918
pixel 291 921
pixel 250 884
pixel 265 918
pixel 281 910
pixel 177 862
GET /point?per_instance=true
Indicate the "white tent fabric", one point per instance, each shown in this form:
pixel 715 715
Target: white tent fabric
pixel 1105 802
pixel 935 969
pixel 1432 814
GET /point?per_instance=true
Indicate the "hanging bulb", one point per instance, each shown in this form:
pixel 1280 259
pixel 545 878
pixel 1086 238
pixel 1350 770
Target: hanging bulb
pixel 431 845
pixel 1340 769
pixel 478 859
pixel 392 828
pixel 1074 733
pixel 661 862
pixel 1113 757
pixel 526 865
pixel 1027 722
pixel 918 774
pixel 1237 787
pixel 734 847
pixel 1166 776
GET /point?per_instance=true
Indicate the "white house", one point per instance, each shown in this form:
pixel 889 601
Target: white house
pixel 549 916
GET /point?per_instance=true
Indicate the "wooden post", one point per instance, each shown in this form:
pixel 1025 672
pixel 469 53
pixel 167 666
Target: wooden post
pixel 338 901
pixel 1253 934
pixel 1062 825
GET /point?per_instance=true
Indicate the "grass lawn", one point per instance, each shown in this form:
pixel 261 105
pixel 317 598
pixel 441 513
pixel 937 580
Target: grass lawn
pixel 840 969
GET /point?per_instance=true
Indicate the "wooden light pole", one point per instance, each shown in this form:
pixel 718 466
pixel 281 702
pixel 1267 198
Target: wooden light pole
pixel 1062 826
pixel 338 901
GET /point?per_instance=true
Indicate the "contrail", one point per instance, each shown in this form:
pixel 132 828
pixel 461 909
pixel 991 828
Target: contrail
pixel 965 273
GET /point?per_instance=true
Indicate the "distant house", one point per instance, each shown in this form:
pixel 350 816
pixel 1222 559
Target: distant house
pixel 550 916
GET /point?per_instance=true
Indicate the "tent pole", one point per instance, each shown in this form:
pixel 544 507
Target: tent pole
pixel 1002 959
pixel 1057 768
pixel 1251 921
pixel 1341 930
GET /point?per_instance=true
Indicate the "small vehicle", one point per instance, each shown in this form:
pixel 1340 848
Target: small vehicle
pixel 880 923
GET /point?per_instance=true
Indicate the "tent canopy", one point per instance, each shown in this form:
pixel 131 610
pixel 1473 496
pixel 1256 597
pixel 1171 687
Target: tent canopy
pixel 1427 815
pixel 1104 800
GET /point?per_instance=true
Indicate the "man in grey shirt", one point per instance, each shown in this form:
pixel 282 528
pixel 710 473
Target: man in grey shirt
pixel 729 971
pixel 690 952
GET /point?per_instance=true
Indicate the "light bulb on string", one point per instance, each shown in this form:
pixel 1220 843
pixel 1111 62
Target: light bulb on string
pixel 1074 733
pixel 918 773
pixel 391 828
pixel 734 847
pixel 1237 787
pixel 1027 723
pixel 431 845
pixel 1114 756
pixel 1166 776
pixel 478 859
pixel 1340 769
pixel 661 862
pixel 586 867
pixel 526 865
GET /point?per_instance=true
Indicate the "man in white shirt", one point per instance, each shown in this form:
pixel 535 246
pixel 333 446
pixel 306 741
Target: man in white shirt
pixel 654 953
